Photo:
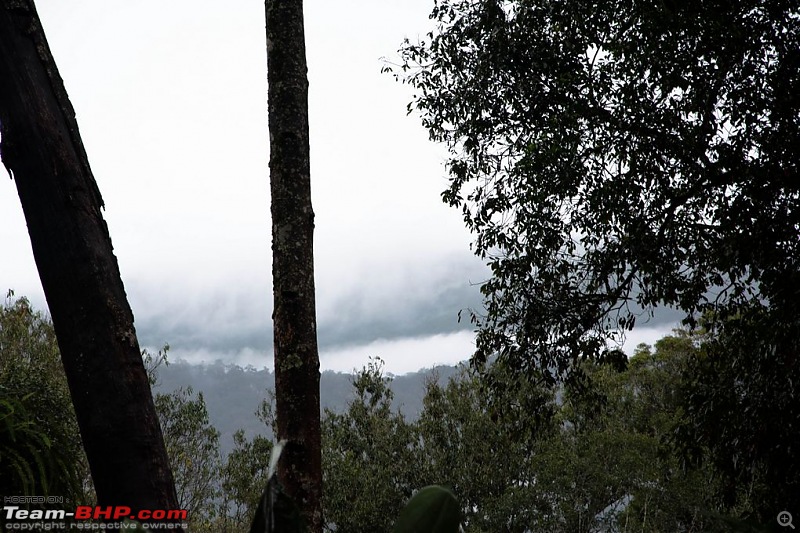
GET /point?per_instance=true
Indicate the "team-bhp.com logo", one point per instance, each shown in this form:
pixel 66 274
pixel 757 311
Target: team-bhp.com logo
pixel 112 513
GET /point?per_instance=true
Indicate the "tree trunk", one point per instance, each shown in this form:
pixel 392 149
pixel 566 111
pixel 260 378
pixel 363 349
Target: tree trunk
pixel 295 330
pixel 43 152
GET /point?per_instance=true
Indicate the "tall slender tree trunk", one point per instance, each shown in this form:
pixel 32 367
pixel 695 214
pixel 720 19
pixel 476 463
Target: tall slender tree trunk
pixel 296 354
pixel 42 150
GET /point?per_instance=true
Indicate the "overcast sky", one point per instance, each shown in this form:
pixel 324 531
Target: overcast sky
pixel 171 103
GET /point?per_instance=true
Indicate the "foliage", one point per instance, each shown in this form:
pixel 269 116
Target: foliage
pixel 609 453
pixel 193 448
pixel 615 156
pixel 483 451
pixel 535 461
pixel 370 458
pixel 742 411
pixel 24 450
pixel 152 362
pixel 244 474
pixel 613 463
pixel 40 444
pixel 192 445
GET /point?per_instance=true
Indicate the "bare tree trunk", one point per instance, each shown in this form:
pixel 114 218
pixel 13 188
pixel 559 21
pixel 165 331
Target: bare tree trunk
pixel 42 150
pixel 296 354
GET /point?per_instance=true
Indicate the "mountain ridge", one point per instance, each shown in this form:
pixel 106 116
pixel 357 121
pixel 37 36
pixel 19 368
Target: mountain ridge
pixel 233 393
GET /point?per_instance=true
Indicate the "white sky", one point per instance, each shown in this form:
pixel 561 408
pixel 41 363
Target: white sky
pixel 171 103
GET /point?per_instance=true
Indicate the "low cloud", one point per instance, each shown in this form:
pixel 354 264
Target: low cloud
pixel 400 355
pixel 229 319
pixel 403 355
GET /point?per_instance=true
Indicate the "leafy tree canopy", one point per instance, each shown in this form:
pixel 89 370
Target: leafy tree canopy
pixel 742 412
pixel 40 447
pixel 545 460
pixel 370 457
pixel 615 156
pixel 193 447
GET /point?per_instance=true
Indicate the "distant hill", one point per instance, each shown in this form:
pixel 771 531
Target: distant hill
pixel 232 393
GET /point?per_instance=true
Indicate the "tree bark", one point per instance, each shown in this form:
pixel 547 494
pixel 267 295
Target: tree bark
pixel 294 315
pixel 42 151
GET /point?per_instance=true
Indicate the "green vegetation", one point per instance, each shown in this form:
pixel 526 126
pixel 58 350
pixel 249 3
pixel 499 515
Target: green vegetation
pixel 362 449
pixel 193 448
pixel 40 447
pixel 616 156
pixel 611 453
pixel 619 156
pixel 611 158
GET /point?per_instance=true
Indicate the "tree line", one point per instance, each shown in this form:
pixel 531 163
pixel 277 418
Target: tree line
pixel 614 455
pixel 610 157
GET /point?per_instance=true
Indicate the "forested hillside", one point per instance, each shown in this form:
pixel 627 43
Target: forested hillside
pixel 613 453
pixel 233 394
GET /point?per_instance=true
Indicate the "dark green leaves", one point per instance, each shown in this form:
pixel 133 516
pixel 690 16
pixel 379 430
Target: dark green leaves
pixel 40 448
pixel 370 457
pixel 612 157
